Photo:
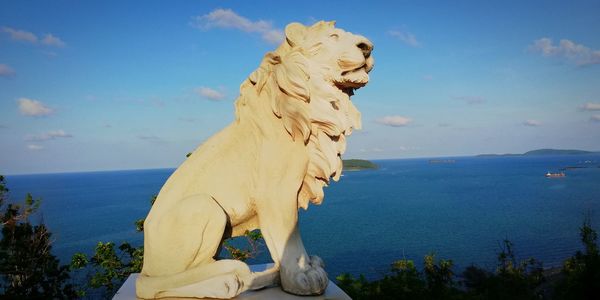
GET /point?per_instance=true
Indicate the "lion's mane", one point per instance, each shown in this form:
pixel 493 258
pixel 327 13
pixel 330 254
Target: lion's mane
pixel 310 108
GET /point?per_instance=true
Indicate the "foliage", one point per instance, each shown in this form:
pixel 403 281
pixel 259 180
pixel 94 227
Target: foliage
pixel 582 272
pixel 511 280
pixel 27 267
pixel 405 282
pixel 108 268
pixel 255 243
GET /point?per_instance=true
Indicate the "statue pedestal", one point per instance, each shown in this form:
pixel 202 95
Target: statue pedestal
pixel 333 292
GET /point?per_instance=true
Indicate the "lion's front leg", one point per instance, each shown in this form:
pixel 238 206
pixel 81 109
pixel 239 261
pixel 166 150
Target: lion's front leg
pixel 299 273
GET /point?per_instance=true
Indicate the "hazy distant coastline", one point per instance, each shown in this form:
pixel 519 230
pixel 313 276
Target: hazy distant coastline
pixel 540 152
pixel 355 164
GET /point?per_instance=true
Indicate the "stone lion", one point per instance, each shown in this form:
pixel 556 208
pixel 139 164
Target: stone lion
pixel 292 118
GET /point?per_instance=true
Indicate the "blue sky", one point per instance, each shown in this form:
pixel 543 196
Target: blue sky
pixel 130 85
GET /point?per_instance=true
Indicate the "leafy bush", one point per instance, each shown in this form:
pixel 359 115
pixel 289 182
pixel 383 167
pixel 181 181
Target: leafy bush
pixel 581 273
pixel 106 270
pixel 511 280
pixel 405 282
pixel 27 267
pixel 255 242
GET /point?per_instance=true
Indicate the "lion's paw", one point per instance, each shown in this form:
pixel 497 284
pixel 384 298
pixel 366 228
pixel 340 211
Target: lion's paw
pixel 310 279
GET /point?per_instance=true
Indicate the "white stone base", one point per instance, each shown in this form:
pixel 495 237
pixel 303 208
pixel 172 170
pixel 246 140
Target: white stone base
pixel 333 292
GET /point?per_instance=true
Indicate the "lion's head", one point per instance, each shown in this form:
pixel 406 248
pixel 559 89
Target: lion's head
pixel 308 81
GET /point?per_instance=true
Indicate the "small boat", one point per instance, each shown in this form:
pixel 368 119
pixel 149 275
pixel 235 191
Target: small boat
pixel 553 175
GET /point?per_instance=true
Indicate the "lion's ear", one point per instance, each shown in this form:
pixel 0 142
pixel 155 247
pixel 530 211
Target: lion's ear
pixel 295 33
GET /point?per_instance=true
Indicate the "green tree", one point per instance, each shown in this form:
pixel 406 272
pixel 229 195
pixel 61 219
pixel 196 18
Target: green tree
pixel 512 279
pixel 255 244
pixel 439 277
pixel 108 268
pixel 406 282
pixel 582 271
pixel 28 270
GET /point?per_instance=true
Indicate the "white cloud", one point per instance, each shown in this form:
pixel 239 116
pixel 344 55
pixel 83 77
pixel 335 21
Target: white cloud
pixel 210 94
pixel 51 40
pixel 33 108
pixel 26 36
pixel 532 123
pixel 591 106
pixel 59 134
pixel 50 135
pixel 273 36
pixel 6 71
pixel 470 99
pixel 20 35
pixel 35 147
pixel 595 118
pixel 406 37
pixel 394 121
pixel 568 50
pixel 227 18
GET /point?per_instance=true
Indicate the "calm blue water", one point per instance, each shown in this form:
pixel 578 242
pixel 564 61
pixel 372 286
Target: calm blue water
pixel 405 209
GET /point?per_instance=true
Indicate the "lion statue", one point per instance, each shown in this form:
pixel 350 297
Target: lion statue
pixel 292 118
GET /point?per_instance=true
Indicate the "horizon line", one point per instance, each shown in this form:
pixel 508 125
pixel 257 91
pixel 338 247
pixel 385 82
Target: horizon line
pixel 370 159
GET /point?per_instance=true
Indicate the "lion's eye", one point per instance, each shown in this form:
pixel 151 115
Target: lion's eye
pixel 334 105
pixel 334 36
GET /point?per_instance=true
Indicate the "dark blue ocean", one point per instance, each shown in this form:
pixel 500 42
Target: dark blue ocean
pixel 405 209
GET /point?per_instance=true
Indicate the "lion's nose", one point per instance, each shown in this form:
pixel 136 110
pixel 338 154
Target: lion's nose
pixel 366 47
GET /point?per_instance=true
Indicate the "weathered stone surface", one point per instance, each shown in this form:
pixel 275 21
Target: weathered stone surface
pixel 292 118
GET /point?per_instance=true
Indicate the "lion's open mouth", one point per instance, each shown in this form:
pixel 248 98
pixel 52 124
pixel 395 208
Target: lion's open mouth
pixel 351 80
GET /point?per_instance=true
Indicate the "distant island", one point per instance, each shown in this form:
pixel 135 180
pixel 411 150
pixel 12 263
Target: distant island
pixel 540 152
pixel 358 164
pixel 442 161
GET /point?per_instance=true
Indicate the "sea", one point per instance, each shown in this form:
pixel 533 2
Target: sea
pixel 459 208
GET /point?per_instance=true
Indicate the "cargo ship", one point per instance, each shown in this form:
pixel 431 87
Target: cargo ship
pixel 552 175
